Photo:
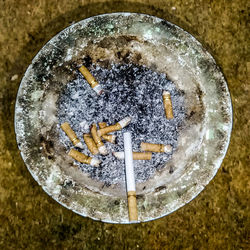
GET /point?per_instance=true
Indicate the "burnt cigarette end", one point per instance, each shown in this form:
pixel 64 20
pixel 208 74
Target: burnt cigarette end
pixel 124 122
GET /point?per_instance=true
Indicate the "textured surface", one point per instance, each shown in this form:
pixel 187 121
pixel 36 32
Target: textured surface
pixel 217 217
pixel 148 118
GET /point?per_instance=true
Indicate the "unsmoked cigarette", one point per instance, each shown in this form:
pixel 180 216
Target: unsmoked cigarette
pixel 158 148
pixel 167 104
pixel 90 144
pixel 71 134
pixel 130 178
pixel 91 80
pixel 100 145
pixel 84 158
pixel 136 155
pixel 118 126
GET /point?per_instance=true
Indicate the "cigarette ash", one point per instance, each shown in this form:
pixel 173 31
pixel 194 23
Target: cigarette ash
pixel 130 90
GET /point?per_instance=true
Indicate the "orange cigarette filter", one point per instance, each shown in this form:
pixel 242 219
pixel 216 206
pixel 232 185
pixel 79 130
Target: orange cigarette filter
pixel 91 80
pixel 90 144
pixel 100 145
pixel 71 134
pixel 132 206
pixel 167 104
pixel 158 148
pixel 83 158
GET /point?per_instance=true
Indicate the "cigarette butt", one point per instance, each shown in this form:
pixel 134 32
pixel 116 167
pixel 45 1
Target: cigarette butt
pixel 132 206
pixel 158 148
pixel 167 104
pixel 136 155
pixel 109 129
pixel 109 138
pixel 71 134
pixel 91 80
pixel 100 145
pixel 84 158
pixel 90 144
pixel 118 126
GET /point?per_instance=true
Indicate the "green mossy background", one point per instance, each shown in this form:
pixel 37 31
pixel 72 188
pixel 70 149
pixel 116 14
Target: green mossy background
pixel 217 219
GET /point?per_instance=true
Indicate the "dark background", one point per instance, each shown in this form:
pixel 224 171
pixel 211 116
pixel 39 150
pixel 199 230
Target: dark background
pixel 217 219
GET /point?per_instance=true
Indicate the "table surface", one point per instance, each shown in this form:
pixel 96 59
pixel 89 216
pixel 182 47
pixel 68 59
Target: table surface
pixel 216 219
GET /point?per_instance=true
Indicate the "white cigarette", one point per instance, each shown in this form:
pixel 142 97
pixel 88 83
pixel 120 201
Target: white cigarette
pixel 130 177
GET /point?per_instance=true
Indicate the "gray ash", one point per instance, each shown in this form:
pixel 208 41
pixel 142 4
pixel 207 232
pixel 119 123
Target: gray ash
pixel 130 90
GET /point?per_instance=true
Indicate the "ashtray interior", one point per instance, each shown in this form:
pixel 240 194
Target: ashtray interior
pixel 134 57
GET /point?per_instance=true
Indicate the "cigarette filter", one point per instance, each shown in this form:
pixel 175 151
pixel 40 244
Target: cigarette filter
pixel 132 206
pixel 109 138
pixel 90 144
pixel 100 145
pixel 84 158
pixel 130 177
pixel 71 134
pixel 136 155
pixel 118 126
pixel 167 104
pixel 158 148
pixel 91 80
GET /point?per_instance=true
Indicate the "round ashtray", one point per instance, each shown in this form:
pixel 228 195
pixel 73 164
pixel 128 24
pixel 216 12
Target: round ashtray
pixel 134 57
